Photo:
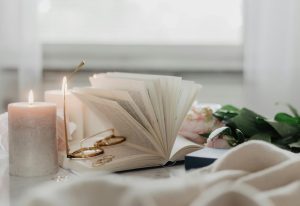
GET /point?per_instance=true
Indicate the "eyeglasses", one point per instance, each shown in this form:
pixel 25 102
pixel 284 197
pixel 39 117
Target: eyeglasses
pixel 96 149
pixel 85 152
pixel 110 140
pixel 103 160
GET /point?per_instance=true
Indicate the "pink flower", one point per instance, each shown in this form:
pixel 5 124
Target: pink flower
pixel 199 121
pixel 218 142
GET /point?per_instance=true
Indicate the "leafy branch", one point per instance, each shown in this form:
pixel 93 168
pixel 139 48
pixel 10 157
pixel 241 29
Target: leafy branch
pixel 244 125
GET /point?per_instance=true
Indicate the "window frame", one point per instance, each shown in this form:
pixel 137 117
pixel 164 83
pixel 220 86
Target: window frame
pixel 144 57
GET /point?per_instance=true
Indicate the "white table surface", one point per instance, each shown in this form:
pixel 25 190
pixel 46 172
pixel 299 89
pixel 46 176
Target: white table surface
pixel 12 188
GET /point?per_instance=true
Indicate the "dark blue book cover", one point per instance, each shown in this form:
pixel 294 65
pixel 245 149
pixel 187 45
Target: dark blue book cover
pixel 203 157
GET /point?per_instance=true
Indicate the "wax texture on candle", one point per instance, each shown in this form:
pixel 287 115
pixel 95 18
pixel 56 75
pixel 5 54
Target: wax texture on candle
pixel 32 139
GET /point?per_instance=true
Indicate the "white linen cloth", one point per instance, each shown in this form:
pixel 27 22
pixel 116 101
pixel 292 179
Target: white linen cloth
pixel 254 173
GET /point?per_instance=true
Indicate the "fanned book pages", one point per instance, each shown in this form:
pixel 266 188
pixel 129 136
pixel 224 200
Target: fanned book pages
pixel 146 109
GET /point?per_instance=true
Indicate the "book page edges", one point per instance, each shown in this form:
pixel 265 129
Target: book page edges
pixel 183 146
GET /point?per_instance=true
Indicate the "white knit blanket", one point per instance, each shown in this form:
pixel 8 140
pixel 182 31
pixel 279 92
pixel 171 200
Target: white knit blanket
pixel 254 173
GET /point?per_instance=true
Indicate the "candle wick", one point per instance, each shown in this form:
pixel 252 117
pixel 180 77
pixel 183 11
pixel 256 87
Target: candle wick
pixel 78 68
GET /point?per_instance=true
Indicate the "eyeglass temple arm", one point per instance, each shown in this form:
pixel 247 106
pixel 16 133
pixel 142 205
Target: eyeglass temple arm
pixel 86 138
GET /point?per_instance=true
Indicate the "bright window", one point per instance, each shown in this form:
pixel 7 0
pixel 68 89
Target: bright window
pixel 196 22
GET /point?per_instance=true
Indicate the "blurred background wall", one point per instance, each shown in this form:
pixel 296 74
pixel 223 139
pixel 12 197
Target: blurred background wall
pixel 244 52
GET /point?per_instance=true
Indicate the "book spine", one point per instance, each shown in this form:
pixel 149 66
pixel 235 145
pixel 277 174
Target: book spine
pixel 196 162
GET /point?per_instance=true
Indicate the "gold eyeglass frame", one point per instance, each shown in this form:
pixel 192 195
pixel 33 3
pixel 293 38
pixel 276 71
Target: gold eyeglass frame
pixel 96 149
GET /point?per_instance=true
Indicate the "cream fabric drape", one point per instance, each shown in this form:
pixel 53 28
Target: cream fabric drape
pixel 254 173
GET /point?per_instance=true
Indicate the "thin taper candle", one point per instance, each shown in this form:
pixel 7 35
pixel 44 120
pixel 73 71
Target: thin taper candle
pixel 65 87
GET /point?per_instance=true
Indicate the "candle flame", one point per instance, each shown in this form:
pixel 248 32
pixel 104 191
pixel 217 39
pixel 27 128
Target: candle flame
pixel 30 97
pixel 64 86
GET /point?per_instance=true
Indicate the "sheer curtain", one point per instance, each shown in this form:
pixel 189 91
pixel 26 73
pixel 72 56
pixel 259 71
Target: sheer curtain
pixel 19 45
pixel 272 53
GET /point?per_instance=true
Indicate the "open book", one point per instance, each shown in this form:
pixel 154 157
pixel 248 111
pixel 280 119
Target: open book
pixel 146 109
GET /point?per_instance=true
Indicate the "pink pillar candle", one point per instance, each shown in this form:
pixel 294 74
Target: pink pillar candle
pixel 32 139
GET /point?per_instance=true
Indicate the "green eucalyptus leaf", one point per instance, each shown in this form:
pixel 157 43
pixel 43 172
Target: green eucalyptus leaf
pixel 286 140
pixel 291 108
pixel 226 112
pixel 286 118
pixel 239 136
pixel 229 107
pixel 260 121
pixel 295 144
pixel 245 121
pixel 286 147
pixel 261 136
pixel 284 129
pixel 244 124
